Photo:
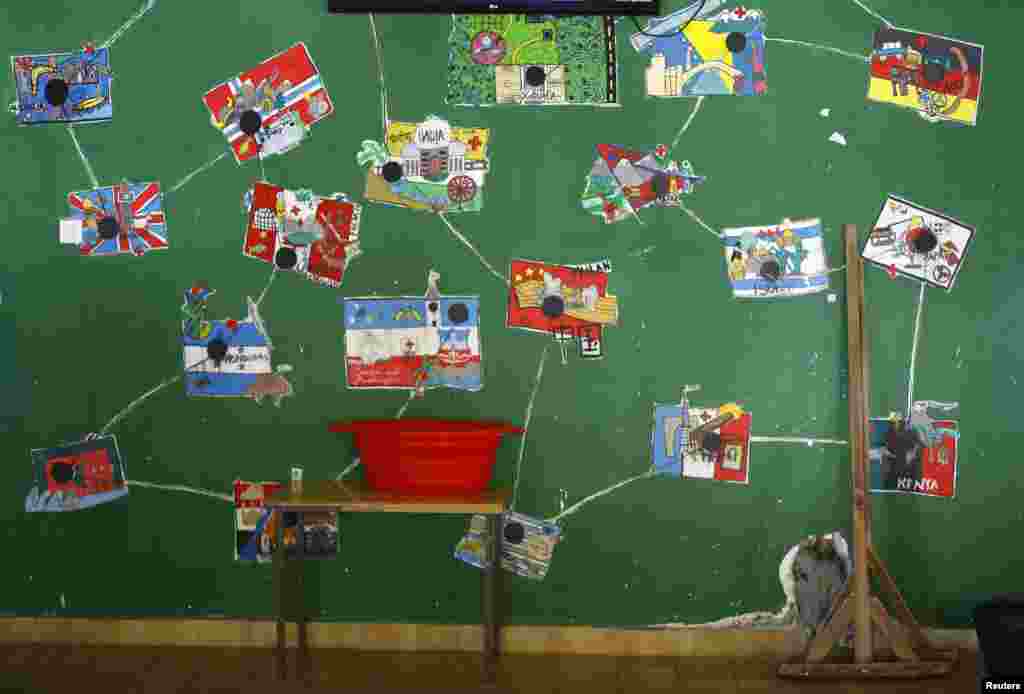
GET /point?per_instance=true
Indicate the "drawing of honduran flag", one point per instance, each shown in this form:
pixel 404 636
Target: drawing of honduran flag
pixel 307 96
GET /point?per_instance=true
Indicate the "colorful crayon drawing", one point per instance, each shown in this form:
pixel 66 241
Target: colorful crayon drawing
pixel 915 456
pixel 715 54
pixel 781 260
pixel 528 545
pixel 255 525
pixel 75 476
pixel 705 443
pixel 937 76
pixel 247 107
pixel 127 218
pixel 428 166
pixel 63 87
pixel 531 59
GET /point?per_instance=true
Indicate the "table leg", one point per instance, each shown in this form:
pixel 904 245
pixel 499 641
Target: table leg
pixel 279 584
pixel 490 593
pixel 301 660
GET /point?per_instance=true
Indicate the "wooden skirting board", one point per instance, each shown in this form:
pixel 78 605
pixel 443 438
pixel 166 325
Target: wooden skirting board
pixel 564 640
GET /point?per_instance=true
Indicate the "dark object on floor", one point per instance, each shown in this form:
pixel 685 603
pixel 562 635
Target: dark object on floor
pixel 1000 626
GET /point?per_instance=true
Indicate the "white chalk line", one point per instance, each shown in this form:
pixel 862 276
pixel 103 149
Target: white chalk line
pixel 380 75
pixel 807 441
pixel 266 288
pixel 597 495
pixel 830 49
pixel 526 423
pixel 181 488
pixel 121 30
pixel 347 471
pixel 785 616
pixel 686 125
pixel 93 181
pixel 405 405
pixel 874 14
pixel 467 244
pixel 152 391
pixel 913 348
pixel 704 225
pixel 195 173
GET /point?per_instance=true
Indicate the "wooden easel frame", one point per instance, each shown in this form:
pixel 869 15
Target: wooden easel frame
pixel 915 656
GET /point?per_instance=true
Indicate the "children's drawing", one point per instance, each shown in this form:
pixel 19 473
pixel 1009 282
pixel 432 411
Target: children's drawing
pixel 781 260
pixel 255 525
pixel 127 218
pixel 77 475
pixel 708 443
pixel 716 53
pixel 916 455
pixel 415 343
pixel 428 166
pixel 623 181
pixel 302 232
pixel 918 243
pixel 63 87
pixel 531 59
pixel 937 76
pixel 228 358
pixel 252 109
pixel 527 544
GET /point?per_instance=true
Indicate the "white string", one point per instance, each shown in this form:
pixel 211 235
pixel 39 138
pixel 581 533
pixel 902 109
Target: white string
pixel 152 391
pixel 85 160
pixel 597 495
pixel 830 49
pixel 798 439
pixel 874 14
pixel 345 473
pixel 693 215
pixel 913 349
pixel 121 30
pixel 686 125
pixel 470 246
pixel 273 274
pixel 181 488
pixel 526 424
pixel 380 75
pixel 195 173
pixel 405 405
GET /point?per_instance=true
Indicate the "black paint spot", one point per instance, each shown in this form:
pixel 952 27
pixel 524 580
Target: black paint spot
pixel 458 313
pixel 62 473
pixel 392 172
pixel 771 271
pixel 736 42
pixel 933 72
pixel 216 350
pixel 250 123
pixel 514 533
pixel 925 241
pixel 56 92
pixel 108 228
pixel 711 442
pixel 535 76
pixel 432 307
pixel 553 306
pixel 286 258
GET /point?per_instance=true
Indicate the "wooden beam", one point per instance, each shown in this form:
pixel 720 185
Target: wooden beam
pixel 899 606
pixel 861 589
pixel 876 670
pixel 893 632
pixel 830 632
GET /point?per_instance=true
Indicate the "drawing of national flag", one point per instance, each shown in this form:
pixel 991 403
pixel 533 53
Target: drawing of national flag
pixel 137 208
pixel 307 96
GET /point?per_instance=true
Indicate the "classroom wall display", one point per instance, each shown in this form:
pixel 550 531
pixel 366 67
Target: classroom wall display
pixel 429 165
pixel 252 108
pixel 916 455
pixel 622 181
pixel 716 53
pixel 528 545
pixel 777 260
pixel 255 525
pixel 73 87
pixel 75 476
pixel 532 59
pixel 918 243
pixel 701 442
pixel 122 219
pixel 299 231
pixel 937 76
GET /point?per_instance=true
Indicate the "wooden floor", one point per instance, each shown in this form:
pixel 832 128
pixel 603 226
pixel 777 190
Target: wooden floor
pixel 123 669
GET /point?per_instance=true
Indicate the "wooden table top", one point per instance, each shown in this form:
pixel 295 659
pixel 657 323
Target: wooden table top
pixel 356 497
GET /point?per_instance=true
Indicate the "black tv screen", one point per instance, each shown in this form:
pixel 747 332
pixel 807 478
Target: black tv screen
pixel 638 8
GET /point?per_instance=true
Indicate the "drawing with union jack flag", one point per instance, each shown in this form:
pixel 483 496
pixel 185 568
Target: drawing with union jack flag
pixel 127 218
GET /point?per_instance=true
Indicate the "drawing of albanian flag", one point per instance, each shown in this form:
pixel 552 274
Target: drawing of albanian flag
pixel 623 181
pixel 779 260
pixel 127 218
pixel 302 232
pixel 916 456
pixel 428 166
pixel 707 443
pixel 248 108
pixel 77 475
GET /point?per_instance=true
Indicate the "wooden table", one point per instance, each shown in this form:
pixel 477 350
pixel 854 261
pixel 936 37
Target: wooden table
pixel 355 497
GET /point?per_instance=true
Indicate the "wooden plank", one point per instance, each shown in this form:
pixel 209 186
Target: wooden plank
pixel 858 439
pixel 827 636
pixel 355 497
pixel 893 632
pixel 903 612
pixel 866 671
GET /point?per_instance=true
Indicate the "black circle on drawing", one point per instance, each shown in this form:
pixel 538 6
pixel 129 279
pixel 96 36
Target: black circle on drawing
pixel 392 172
pixel 770 270
pixel 108 228
pixel 711 442
pixel 553 306
pixel 933 72
pixel 535 76
pixel 514 533
pixel 286 258
pixel 62 473
pixel 432 306
pixel 735 42
pixel 56 92
pixel 217 349
pixel 925 241
pixel 458 313
pixel 250 122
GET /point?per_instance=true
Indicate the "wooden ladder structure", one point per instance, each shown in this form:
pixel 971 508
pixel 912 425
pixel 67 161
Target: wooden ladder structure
pixel 913 656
